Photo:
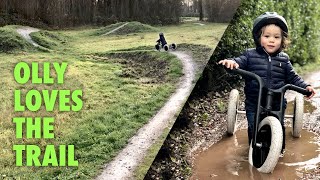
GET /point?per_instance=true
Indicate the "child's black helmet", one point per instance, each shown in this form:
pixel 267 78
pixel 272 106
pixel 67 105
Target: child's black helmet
pixel 265 19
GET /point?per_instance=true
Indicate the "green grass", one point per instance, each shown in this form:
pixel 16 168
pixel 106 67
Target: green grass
pixel 200 53
pixel 122 89
pixel 11 40
pixel 49 39
pixel 106 29
pixel 114 108
pixel 188 33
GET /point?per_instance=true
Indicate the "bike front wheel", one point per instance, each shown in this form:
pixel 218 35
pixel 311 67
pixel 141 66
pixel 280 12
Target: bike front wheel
pixel 269 141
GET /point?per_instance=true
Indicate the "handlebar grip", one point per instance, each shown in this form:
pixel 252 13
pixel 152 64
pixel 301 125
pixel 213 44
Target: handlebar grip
pixel 300 90
pixel 308 93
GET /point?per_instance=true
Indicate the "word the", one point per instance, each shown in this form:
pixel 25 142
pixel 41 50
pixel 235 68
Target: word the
pixel 36 127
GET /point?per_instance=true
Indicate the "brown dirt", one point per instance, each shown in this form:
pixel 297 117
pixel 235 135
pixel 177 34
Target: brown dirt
pixel 144 66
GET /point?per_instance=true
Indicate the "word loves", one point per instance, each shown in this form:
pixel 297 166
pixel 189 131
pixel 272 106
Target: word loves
pixel 43 127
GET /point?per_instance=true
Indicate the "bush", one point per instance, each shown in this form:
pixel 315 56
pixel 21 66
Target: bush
pixel 302 19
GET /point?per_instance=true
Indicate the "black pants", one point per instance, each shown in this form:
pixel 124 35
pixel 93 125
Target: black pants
pixel 251 113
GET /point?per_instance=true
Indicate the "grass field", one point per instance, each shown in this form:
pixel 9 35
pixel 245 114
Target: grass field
pixel 121 83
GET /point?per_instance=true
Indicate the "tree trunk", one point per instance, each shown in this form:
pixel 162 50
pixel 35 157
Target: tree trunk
pixel 200 10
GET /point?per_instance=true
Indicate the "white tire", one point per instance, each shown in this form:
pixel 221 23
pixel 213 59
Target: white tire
pixel 272 140
pixel 232 111
pixel 297 116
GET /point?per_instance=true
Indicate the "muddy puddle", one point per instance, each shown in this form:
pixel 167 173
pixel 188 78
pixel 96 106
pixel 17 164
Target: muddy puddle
pixel 308 107
pixel 228 159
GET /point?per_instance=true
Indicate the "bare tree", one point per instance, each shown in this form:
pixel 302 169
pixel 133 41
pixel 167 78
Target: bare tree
pixel 221 10
pixel 200 6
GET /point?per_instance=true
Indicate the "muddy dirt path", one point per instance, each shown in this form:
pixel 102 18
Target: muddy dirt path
pixel 301 160
pixel 25 33
pixel 314 80
pixel 129 158
pixel 311 119
pixel 115 29
pixel 228 159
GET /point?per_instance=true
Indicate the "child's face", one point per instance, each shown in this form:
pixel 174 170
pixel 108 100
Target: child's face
pixel 271 38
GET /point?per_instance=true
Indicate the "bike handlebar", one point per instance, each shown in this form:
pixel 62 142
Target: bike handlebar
pixel 260 81
pixel 298 89
pixel 246 73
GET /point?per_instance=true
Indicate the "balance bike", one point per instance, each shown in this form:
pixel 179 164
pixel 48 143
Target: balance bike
pixel 166 47
pixel 268 136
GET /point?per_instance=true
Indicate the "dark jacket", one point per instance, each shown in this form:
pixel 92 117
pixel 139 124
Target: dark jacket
pixel 162 40
pixel 275 70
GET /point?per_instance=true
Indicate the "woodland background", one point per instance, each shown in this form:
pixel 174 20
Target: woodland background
pixel 71 13
pixel 302 17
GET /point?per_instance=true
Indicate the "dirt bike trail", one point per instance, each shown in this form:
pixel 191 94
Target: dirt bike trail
pixel 123 166
pixel 112 31
pixel 25 31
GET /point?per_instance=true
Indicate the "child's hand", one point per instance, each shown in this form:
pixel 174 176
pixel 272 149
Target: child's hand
pixel 310 89
pixel 229 63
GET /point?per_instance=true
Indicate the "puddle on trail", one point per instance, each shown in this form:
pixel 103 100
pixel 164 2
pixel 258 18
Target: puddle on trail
pixel 228 159
pixel 308 107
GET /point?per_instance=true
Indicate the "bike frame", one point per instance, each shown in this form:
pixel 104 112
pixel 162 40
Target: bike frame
pixel 266 110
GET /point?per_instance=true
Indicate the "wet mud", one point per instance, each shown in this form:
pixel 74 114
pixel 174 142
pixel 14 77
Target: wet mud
pixel 228 159
pixel 308 107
